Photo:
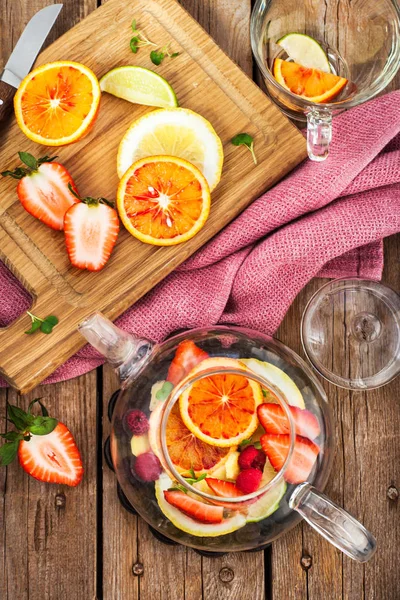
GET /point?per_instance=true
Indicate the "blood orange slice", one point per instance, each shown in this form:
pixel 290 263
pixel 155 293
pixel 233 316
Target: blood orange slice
pixel 188 452
pixel 163 200
pixel 57 103
pixel 221 410
pixel 312 84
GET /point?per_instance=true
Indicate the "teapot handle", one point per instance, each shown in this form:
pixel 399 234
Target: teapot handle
pixel 333 523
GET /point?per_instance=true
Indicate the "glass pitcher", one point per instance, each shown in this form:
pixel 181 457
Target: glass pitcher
pixel 222 439
pixel 361 40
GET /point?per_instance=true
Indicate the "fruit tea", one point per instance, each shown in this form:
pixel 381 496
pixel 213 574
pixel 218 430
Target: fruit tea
pixel 226 436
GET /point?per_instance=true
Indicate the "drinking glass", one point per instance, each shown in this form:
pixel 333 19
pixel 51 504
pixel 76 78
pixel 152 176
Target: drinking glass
pixel 351 333
pixel 361 40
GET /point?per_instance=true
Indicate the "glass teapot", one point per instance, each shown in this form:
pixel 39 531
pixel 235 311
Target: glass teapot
pixel 222 438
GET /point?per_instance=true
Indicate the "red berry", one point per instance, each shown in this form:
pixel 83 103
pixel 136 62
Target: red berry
pixel 147 467
pixel 250 457
pixel 136 422
pixel 248 481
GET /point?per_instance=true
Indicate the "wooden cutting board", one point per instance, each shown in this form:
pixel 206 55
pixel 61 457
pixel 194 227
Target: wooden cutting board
pixel 205 80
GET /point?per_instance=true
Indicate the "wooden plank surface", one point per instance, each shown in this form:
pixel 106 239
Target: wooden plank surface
pixel 87 549
pixel 206 81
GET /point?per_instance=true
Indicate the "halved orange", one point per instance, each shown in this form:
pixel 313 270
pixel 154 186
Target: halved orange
pixel 221 410
pixel 312 84
pixel 57 103
pixel 188 452
pixel 163 200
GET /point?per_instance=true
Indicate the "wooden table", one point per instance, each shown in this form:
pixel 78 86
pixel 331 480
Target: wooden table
pixel 80 544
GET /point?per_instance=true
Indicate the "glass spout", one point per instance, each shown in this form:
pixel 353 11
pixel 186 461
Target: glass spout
pixel 126 353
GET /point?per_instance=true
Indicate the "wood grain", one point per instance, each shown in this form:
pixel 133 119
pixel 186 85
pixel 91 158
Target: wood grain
pixel 48 529
pixel 365 475
pixel 206 81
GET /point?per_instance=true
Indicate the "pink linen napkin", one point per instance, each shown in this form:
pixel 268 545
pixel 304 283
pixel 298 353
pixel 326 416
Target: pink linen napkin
pixel 324 219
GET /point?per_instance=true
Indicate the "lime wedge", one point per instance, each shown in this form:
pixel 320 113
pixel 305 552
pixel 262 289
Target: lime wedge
pixel 267 504
pixel 305 51
pixel 140 86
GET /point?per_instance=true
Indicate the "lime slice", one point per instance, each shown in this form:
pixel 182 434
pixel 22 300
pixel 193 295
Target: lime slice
pixel 305 51
pixel 267 504
pixel 140 86
pixel 185 523
pixel 277 377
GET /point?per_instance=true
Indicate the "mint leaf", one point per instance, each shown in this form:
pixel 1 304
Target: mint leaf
pixel 29 160
pixel 133 25
pixel 244 139
pixel 157 57
pixel 8 452
pixel 165 391
pixel 34 327
pixel 244 444
pixel 42 425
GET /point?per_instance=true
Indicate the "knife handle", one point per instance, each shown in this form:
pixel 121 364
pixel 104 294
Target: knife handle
pixel 6 99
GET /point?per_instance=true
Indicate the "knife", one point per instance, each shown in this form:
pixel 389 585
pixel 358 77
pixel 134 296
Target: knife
pixel 24 54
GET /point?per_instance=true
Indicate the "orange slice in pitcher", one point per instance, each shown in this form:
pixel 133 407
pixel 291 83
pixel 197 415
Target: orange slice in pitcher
pixel 221 410
pixel 163 200
pixel 188 452
pixel 312 84
pixel 57 103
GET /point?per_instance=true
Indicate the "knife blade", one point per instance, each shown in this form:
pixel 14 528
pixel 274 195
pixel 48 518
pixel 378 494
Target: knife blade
pixel 25 52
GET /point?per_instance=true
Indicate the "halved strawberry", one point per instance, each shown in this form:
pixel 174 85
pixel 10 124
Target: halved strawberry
pixel 43 189
pixel 205 513
pixel 305 453
pixel 227 489
pixel 223 488
pixel 53 458
pixel 187 356
pixel 274 420
pixel 91 230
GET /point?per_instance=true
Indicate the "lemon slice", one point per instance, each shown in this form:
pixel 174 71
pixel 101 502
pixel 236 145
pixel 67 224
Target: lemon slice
pixel 175 132
pixel 277 377
pixel 140 86
pixel 305 51
pixel 185 523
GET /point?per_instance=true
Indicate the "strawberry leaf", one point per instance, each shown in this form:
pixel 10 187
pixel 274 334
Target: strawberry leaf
pixel 8 452
pixel 29 160
pixel 11 436
pixel 42 406
pixel 42 425
pixel 17 416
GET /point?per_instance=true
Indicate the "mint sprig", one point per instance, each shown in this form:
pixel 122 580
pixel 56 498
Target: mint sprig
pixel 45 325
pixel 139 40
pixel 26 425
pixel 244 139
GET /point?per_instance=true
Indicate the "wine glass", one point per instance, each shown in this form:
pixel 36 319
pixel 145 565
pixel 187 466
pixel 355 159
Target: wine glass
pixel 362 43
pixel 350 332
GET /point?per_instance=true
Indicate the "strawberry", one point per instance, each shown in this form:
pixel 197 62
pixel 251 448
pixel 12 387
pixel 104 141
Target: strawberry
pixel 251 457
pixel 91 229
pixel 274 420
pixel 45 448
pixel 249 480
pixel 305 453
pixel 187 356
pixel 43 189
pixel 223 488
pixel 205 513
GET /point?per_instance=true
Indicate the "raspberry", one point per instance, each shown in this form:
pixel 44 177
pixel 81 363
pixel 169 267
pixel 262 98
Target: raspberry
pixel 250 457
pixel 135 421
pixel 147 467
pixel 248 480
